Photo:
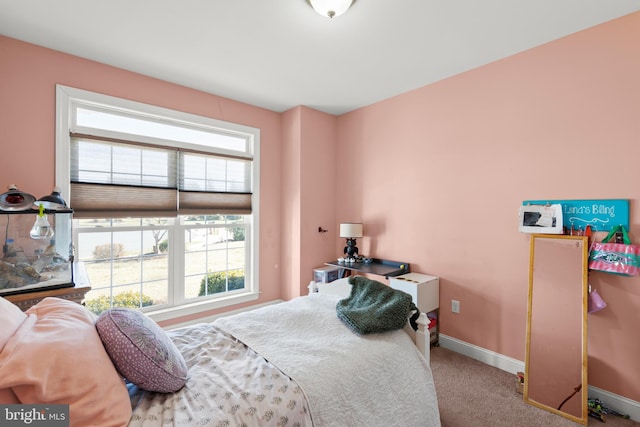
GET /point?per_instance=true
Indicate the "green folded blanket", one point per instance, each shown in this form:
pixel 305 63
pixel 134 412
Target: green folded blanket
pixel 374 307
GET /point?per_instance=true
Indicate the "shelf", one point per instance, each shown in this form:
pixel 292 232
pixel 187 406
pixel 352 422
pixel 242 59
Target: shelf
pixel 379 267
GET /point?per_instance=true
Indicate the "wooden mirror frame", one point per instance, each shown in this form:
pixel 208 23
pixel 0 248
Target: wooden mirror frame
pixel 546 308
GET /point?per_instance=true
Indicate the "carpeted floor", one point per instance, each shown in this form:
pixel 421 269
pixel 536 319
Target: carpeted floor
pixel 473 394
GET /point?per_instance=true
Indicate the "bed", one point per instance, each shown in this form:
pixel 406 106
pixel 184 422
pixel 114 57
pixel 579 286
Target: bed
pixel 294 363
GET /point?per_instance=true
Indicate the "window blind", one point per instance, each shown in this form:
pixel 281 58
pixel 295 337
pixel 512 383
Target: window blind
pixel 114 178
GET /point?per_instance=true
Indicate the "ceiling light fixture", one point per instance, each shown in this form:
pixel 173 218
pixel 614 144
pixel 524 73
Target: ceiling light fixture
pixel 331 8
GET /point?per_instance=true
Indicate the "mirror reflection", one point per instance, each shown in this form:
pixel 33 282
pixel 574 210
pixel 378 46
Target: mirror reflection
pixel 556 348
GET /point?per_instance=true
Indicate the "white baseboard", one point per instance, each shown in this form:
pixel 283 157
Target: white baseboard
pixel 489 357
pixel 611 400
pixel 616 402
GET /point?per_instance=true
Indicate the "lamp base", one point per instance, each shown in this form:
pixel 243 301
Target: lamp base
pixel 351 250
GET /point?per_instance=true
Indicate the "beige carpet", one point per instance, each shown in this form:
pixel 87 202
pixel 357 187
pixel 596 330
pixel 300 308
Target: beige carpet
pixel 473 394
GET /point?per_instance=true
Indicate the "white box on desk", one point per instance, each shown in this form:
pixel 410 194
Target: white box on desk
pixel 424 289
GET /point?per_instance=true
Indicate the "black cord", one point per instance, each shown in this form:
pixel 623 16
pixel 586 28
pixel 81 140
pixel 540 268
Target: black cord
pixel 575 390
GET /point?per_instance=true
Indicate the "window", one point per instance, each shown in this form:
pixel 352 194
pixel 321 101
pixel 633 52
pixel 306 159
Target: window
pixel 165 204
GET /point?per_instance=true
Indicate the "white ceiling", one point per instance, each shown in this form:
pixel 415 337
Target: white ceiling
pixel 279 54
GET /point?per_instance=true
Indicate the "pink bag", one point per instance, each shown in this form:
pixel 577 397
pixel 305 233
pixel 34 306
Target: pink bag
pixel 615 258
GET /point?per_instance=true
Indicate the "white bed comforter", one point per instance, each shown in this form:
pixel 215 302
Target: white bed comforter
pixel 349 380
pixel 229 385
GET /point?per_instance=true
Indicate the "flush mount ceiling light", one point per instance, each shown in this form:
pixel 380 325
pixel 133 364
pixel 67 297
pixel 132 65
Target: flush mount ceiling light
pixel 331 8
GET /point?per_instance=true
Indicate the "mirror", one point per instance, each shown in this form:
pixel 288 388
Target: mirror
pixel 556 346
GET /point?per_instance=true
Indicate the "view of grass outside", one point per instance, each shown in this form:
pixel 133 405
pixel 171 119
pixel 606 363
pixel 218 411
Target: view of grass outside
pixel 138 272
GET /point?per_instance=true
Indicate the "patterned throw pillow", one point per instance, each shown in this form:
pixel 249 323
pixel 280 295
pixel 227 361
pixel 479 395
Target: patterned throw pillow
pixel 141 351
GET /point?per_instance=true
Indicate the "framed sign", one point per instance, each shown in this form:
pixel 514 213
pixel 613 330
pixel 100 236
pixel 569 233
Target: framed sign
pixel 601 215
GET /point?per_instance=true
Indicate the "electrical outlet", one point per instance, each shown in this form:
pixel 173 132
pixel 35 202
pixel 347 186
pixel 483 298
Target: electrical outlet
pixel 455 306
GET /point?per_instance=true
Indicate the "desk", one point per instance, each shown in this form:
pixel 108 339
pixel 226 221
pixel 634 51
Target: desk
pixel 379 267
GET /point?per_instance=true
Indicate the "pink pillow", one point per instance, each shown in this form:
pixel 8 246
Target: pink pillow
pixel 141 350
pixel 11 317
pixel 56 356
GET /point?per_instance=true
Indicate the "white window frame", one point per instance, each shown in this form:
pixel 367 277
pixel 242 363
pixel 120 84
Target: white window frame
pixel 67 97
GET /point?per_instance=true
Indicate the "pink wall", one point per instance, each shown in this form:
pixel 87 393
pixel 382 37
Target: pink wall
pixel 309 187
pixel 438 174
pixel 28 75
pixel 291 202
pixel 318 197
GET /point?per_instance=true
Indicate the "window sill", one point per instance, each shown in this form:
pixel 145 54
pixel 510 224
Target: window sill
pixel 201 306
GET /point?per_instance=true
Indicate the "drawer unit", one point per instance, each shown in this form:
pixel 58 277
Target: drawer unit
pixel 424 289
pixel 425 293
pixel 326 274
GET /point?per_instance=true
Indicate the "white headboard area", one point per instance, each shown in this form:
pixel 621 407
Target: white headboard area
pixel 342 288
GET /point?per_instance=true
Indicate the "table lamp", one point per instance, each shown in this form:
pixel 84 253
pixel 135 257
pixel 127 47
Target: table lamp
pixel 351 231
